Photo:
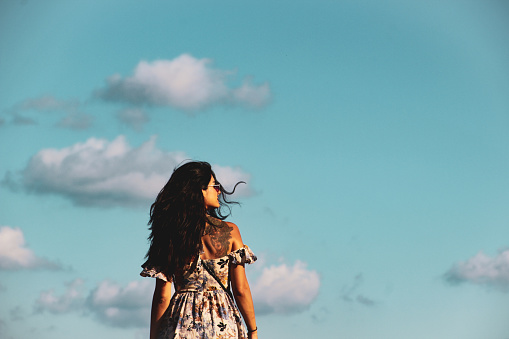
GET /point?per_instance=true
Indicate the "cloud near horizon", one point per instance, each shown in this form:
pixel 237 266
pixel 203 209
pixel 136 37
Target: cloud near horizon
pixel 119 306
pixel 15 255
pixel 108 302
pixel 280 289
pixel 185 83
pixel 285 289
pixel 71 300
pixel 482 269
pixel 106 173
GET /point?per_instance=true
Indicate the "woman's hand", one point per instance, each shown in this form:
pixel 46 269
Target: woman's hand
pixel 253 335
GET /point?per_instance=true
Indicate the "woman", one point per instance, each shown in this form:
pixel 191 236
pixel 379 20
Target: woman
pixel 191 246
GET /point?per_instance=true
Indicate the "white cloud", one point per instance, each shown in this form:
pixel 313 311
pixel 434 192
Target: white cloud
pixel 15 255
pixel 133 117
pixel 71 300
pixel 482 269
pixel 284 289
pixel 255 96
pixel 122 306
pixel 103 173
pixel 185 83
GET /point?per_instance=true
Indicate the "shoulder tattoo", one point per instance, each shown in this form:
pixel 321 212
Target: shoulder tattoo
pixel 220 236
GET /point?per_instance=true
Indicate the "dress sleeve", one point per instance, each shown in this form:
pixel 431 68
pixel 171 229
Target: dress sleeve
pixel 243 255
pixel 154 272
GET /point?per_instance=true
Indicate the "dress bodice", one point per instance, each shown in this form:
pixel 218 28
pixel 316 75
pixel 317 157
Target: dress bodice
pixel 200 308
pixel 194 277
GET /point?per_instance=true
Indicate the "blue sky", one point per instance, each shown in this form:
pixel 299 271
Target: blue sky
pixel 373 137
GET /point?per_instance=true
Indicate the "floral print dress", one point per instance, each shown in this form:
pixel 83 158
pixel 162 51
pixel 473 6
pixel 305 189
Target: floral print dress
pixel 200 308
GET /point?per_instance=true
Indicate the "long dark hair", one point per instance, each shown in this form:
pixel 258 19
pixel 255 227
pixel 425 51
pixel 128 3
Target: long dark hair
pixel 179 215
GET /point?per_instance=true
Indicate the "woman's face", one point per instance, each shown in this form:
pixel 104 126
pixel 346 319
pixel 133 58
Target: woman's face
pixel 211 193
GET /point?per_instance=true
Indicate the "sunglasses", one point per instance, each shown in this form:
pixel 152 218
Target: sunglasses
pixel 217 187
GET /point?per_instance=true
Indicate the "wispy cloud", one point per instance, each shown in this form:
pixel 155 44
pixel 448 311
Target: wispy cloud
pixel 47 103
pixel 3 328
pixel 15 255
pixel 185 83
pixel 350 292
pixel 22 120
pixel 76 121
pixel 133 117
pixel 17 314
pixel 482 269
pixel 285 289
pixel 73 117
pixel 106 173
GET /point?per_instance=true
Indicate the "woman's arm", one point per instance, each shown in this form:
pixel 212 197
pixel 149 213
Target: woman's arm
pixel 240 287
pixel 242 294
pixel 160 302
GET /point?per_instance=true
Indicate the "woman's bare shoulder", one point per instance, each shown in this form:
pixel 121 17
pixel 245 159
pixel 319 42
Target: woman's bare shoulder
pixel 232 225
pixel 236 237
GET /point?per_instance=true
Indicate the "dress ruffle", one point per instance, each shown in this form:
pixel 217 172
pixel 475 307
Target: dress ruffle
pixel 154 272
pixel 243 255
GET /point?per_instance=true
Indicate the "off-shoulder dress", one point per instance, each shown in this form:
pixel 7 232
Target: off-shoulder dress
pixel 200 308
